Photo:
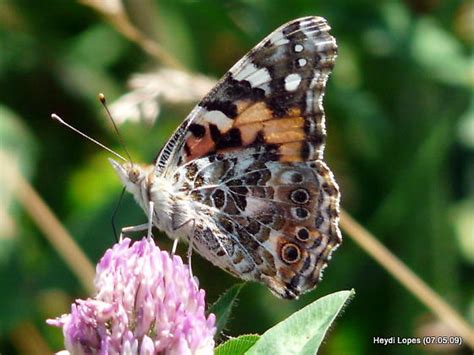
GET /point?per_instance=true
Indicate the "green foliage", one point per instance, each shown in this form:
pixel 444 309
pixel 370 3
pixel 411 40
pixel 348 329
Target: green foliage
pixel 237 346
pixel 222 308
pixel 302 332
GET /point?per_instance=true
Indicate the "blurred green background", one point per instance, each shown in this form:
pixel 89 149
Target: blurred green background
pixel 400 141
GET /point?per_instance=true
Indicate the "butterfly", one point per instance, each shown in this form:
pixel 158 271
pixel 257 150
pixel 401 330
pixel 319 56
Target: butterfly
pixel 243 177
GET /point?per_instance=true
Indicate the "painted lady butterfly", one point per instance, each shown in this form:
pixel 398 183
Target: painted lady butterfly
pixel 243 178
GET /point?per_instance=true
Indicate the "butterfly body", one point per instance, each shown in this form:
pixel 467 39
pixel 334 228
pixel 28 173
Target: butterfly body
pixel 243 177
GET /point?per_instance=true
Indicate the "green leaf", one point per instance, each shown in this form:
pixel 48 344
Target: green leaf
pixel 223 306
pixel 303 331
pixel 236 346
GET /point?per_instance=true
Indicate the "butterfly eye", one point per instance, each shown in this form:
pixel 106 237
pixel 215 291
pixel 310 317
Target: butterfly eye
pixel 133 175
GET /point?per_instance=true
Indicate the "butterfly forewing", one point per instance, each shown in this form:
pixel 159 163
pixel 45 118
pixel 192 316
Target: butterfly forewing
pixel 272 96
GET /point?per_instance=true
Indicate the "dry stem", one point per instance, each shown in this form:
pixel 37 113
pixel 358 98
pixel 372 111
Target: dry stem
pixel 120 21
pixel 55 232
pixel 27 339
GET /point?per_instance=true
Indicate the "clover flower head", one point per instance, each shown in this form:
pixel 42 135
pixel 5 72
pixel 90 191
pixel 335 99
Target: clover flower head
pixel 147 302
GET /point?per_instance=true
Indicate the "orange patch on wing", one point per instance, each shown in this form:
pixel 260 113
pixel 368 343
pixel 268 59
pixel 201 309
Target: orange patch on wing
pixel 254 118
pixel 242 105
pixel 250 113
pixel 290 152
pixel 275 131
pixel 284 130
pixel 249 132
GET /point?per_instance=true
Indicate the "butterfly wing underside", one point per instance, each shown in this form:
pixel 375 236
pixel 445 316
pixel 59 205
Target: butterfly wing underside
pixel 248 161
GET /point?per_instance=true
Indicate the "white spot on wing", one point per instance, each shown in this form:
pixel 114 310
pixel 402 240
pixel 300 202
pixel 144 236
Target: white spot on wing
pixel 218 118
pixel 255 76
pixel 247 69
pixel 302 62
pixel 278 38
pixel 298 48
pixel 292 82
pixel 260 77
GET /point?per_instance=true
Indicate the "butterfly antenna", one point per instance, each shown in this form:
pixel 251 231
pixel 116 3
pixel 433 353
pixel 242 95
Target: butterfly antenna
pixel 60 120
pixel 104 103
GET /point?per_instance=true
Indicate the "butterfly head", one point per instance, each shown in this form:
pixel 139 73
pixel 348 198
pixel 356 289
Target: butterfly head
pixel 141 181
pixel 134 177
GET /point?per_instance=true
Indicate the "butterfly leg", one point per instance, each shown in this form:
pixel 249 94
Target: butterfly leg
pixel 131 229
pixel 175 245
pixel 151 208
pixel 190 240
pixel 190 249
pixel 189 254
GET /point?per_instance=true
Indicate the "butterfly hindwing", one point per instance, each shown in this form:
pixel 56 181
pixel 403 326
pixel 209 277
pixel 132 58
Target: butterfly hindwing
pixel 269 221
